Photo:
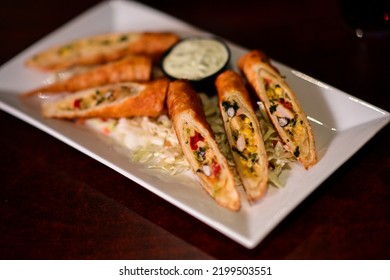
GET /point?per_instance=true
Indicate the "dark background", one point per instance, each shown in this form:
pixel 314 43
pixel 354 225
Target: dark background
pixel 57 203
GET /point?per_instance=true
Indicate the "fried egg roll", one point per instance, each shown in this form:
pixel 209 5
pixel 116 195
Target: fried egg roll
pixel 101 49
pixel 110 101
pixel 243 133
pixel 129 69
pixel 281 105
pixel 199 146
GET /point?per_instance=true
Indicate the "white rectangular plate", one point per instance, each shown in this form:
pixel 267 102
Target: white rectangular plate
pixel 341 124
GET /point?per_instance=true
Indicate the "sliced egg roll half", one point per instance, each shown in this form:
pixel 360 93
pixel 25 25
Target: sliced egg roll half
pixel 243 134
pixel 110 101
pixel 282 106
pixel 199 146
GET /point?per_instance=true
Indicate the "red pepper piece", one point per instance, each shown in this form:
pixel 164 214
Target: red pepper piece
pixel 77 103
pixel 194 140
pixel 285 103
pixel 216 168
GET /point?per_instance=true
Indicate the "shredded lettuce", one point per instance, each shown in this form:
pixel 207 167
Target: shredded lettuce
pixel 149 140
pixel 153 140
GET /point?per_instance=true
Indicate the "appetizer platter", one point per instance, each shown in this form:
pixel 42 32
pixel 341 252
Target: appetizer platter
pixel 237 165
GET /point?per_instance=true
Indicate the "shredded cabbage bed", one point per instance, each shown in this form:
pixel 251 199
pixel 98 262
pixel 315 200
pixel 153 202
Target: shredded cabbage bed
pixel 154 142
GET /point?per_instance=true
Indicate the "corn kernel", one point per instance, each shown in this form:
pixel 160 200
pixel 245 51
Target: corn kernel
pixel 247 132
pixel 251 149
pixel 279 91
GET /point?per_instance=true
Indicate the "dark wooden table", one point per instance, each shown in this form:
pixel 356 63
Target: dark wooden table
pixel 57 203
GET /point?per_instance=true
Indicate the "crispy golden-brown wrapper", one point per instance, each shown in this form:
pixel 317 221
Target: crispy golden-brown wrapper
pixel 128 69
pixel 243 133
pixel 198 144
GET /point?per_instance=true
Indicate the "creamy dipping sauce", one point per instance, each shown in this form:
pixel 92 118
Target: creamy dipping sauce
pixel 195 59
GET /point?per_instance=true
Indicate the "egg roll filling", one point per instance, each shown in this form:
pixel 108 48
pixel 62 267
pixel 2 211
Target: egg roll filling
pixel 242 131
pixel 98 97
pixel 284 111
pixel 204 156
